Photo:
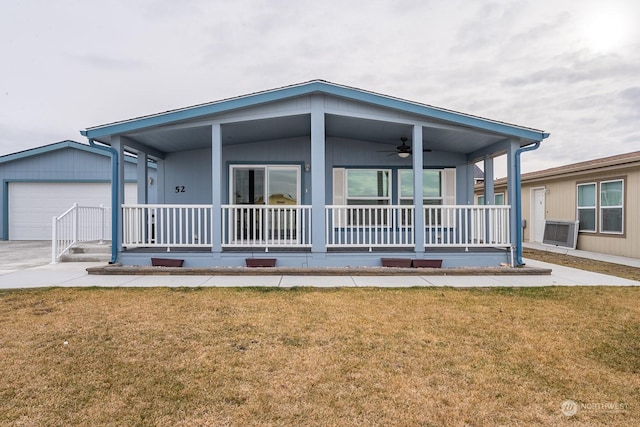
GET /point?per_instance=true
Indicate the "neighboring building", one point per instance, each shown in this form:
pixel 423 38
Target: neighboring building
pixel 601 194
pixel 346 174
pixel 44 182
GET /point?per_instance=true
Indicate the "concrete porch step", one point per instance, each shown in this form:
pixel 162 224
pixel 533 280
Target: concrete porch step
pixel 91 248
pixel 88 252
pixel 82 257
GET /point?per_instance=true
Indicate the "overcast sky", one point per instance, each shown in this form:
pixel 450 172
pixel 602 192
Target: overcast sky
pixel 568 67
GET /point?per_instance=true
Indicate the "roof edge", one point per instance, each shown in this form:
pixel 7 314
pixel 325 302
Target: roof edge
pixel 306 88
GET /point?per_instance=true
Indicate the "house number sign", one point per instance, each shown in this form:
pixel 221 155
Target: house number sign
pixel 180 189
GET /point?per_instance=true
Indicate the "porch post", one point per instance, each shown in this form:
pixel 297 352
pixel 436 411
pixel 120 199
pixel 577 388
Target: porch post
pixel 142 175
pixel 512 148
pixel 488 181
pixel 318 163
pixel 216 199
pixel 470 170
pixel 117 144
pixel 418 192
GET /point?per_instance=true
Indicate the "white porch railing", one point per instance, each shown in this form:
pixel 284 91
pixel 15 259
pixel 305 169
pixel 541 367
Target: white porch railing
pixel 346 226
pixel 266 226
pixel 369 226
pixel 79 224
pixel 467 226
pixel 167 226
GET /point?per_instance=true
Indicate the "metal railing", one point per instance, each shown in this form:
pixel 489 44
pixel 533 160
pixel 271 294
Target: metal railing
pixel 79 224
pixel 369 226
pixel 266 226
pixel 166 226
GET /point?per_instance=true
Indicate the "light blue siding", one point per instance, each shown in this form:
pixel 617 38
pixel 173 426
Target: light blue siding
pixel 62 162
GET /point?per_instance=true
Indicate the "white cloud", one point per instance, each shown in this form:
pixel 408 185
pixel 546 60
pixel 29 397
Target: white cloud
pixel 70 64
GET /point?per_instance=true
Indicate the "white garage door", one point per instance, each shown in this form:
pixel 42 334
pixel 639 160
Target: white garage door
pixel 33 204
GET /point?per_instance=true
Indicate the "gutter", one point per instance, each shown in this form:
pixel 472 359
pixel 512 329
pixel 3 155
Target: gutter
pixel 535 146
pixel 114 195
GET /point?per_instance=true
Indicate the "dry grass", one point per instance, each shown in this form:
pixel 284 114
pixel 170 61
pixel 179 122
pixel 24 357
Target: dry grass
pixel 618 270
pixel 319 357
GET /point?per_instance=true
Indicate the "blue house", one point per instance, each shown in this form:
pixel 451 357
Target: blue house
pixel 316 174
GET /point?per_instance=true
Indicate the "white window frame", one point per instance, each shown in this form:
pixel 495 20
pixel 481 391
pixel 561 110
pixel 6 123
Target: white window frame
pixel 601 208
pixel 349 198
pixel 594 207
pixel 425 200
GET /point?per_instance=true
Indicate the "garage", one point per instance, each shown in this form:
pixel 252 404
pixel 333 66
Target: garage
pixel 43 182
pixel 32 205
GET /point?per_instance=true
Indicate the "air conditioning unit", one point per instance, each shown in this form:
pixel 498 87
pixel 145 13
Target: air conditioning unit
pixel 561 233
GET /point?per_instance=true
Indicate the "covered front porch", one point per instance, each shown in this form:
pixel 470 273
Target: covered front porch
pixel 322 175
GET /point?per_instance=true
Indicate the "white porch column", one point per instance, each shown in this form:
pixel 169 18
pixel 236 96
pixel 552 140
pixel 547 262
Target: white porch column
pixel 488 181
pixel 318 163
pixel 118 198
pixel 418 191
pixel 143 176
pixel 216 199
pixel 512 148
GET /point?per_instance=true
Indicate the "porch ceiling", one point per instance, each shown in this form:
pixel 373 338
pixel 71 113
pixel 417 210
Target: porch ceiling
pixel 436 138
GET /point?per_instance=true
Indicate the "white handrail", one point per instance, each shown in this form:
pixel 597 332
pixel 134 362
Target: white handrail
pixel 166 226
pixel 266 226
pixel 467 226
pixel 365 226
pixel 78 224
pixel 369 226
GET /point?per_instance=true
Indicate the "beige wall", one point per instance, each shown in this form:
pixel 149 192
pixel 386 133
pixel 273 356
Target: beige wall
pixel 560 204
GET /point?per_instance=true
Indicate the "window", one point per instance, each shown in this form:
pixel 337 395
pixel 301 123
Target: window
pixel 498 199
pixel 368 187
pixel 587 207
pixel 601 211
pixel 611 206
pixel 431 187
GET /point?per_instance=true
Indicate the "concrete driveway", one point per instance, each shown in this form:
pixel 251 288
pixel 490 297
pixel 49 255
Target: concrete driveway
pixel 19 255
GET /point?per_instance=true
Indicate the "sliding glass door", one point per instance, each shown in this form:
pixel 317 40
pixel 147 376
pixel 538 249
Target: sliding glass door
pixel 269 185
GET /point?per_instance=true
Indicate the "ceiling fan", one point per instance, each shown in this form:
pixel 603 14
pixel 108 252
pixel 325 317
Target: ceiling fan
pixel 403 150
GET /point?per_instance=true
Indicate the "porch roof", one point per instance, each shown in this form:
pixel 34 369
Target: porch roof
pixel 186 128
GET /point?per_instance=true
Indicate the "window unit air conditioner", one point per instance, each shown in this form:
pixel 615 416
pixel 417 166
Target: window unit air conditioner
pixel 561 233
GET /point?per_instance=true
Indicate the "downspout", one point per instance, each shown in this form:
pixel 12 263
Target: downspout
pixel 114 196
pixel 518 183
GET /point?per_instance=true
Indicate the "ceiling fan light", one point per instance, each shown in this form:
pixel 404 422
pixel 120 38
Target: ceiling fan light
pixel 403 154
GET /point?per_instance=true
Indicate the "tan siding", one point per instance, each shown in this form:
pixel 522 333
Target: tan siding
pixel 560 200
pixel 560 204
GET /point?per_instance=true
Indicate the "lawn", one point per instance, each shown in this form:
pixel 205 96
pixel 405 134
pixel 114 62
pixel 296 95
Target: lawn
pixel 325 357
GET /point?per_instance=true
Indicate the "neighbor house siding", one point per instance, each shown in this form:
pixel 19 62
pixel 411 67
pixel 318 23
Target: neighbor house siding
pixel 561 204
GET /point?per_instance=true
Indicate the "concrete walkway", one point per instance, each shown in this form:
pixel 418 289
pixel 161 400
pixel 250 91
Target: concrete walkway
pixel 632 262
pixel 16 274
